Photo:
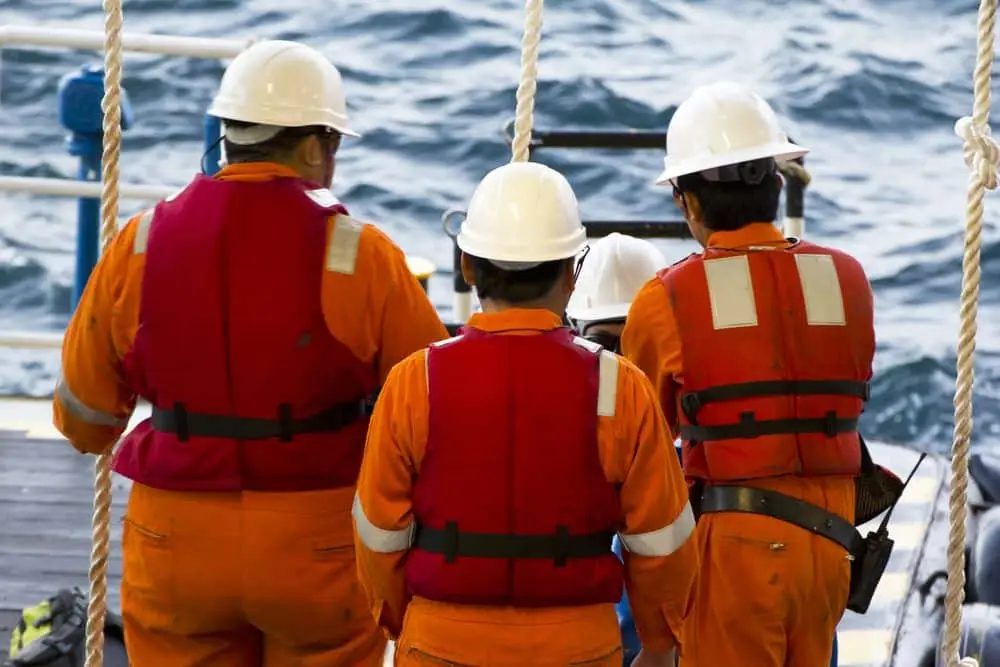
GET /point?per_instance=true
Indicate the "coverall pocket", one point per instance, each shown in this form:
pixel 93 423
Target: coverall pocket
pixel 604 657
pixel 412 655
pixel 148 595
pixel 325 551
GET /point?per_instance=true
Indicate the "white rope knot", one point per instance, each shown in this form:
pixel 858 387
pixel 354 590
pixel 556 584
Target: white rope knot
pixel 982 152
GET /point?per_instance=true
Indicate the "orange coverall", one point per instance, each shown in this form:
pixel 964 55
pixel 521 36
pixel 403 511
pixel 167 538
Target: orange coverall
pixel 636 452
pixel 769 593
pixel 228 578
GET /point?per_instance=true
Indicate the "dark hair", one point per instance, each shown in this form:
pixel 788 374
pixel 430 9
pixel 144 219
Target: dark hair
pixel 731 204
pixel 279 147
pixel 492 282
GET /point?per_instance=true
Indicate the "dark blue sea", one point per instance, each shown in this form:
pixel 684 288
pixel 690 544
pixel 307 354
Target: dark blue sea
pixel 873 88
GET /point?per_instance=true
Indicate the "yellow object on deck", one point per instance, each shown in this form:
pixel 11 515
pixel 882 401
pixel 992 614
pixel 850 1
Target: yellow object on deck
pixel 422 269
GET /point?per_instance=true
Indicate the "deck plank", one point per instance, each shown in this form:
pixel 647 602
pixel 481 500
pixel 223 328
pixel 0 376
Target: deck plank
pixel 46 504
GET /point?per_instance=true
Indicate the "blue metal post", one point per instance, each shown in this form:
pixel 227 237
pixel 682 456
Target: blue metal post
pixel 80 94
pixel 213 147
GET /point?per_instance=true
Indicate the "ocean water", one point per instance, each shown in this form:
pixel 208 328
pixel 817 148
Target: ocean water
pixel 873 88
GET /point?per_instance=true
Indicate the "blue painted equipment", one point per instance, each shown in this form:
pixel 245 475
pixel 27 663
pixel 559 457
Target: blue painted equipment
pixel 80 94
pixel 212 129
pixel 630 639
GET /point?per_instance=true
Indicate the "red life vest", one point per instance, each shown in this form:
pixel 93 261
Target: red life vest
pixel 777 348
pixel 250 391
pixel 511 502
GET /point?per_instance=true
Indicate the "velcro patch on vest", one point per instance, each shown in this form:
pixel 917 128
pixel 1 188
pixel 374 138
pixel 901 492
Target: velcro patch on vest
pixel 323 197
pixel 142 227
pixel 731 291
pixel 342 248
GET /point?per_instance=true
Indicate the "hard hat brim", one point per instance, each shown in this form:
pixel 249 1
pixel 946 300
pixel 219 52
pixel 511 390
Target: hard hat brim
pixel 223 111
pixel 517 251
pixel 781 151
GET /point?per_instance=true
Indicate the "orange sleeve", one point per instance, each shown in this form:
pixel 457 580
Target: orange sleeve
pixel 383 511
pixel 92 403
pixel 372 302
pixel 650 340
pixel 661 557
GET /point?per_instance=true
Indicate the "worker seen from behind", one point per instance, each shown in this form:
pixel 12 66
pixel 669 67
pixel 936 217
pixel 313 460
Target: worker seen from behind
pixel 761 350
pixel 613 272
pixel 501 462
pixel 259 320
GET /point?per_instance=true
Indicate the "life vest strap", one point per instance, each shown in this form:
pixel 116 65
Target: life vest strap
pixel 558 547
pixel 693 401
pixel 749 427
pixel 186 424
pixel 791 510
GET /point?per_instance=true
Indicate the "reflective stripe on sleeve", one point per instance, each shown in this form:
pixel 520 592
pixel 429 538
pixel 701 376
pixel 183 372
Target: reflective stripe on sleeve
pixel 83 412
pixel 664 541
pixel 378 539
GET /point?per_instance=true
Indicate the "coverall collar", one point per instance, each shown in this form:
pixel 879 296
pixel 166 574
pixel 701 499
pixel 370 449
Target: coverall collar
pixel 255 171
pixel 756 233
pixel 537 319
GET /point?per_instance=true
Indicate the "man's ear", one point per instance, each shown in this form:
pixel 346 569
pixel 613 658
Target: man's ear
pixel 467 273
pixel 310 151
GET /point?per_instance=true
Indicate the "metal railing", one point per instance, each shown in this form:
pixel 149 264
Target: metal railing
pixel 210 48
pixel 79 112
pixel 64 187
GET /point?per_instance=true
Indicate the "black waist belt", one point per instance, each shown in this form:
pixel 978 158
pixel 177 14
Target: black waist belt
pixel 750 427
pixel 559 546
pixel 186 424
pixel 692 402
pixel 779 506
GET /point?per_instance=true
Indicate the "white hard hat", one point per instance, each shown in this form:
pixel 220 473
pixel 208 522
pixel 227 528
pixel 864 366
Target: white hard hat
pixel 616 267
pixel 722 124
pixel 279 84
pixel 521 215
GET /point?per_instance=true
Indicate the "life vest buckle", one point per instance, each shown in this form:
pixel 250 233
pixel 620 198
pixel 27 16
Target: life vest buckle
pixel 748 419
pixel 450 550
pixel 180 418
pixel 831 428
pixel 285 423
pixel 561 546
pixel 691 404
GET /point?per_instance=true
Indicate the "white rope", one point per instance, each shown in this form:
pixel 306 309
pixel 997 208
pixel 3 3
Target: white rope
pixel 111 106
pixel 524 114
pixel 982 156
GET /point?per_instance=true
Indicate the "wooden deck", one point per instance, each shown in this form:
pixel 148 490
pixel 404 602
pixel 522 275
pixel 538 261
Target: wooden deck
pixel 46 505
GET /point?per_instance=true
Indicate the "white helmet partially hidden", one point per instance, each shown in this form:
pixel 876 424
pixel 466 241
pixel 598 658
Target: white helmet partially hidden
pixel 723 124
pixel 279 84
pixel 613 272
pixel 521 215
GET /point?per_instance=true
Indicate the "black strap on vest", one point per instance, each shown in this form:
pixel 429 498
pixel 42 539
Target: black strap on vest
pixel 692 402
pixel 558 547
pixel 750 427
pixel 186 424
pixel 779 506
